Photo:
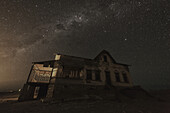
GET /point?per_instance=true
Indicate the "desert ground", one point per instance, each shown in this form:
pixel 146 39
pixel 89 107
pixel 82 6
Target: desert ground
pixel 160 103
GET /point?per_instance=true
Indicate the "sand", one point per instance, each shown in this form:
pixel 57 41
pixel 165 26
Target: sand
pixel 9 104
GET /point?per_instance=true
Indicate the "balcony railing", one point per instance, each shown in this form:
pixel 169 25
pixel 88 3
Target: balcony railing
pixel 40 74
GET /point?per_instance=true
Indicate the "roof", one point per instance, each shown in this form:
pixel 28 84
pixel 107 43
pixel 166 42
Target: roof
pixel 80 61
pixel 105 52
pixel 76 61
pixel 113 60
pixel 41 62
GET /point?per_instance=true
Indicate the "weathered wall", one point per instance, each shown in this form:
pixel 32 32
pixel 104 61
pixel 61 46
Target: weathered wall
pixel 111 67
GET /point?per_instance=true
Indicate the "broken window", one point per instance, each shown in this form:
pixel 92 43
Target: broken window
pixel 117 76
pixel 97 75
pixel 46 64
pixel 89 75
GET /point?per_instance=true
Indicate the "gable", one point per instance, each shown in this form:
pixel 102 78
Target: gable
pixel 104 56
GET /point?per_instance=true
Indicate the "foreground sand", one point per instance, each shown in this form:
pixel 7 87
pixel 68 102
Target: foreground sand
pixel 10 105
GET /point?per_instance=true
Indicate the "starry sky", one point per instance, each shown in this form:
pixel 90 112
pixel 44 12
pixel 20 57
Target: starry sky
pixel 135 32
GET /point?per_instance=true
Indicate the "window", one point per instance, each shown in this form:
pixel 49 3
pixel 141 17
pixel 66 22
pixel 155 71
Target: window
pixel 46 64
pixel 97 75
pixel 66 74
pixel 117 76
pixel 105 58
pixel 125 77
pixel 89 75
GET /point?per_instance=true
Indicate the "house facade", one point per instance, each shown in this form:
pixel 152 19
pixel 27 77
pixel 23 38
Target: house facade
pixel 70 75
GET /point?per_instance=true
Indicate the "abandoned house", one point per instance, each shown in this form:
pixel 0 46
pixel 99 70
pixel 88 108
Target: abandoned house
pixel 66 76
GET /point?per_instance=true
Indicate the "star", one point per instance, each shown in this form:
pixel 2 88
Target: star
pixel 34 30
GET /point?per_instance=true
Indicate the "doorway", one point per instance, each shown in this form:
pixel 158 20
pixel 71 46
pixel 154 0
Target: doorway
pixel 108 79
pixel 40 91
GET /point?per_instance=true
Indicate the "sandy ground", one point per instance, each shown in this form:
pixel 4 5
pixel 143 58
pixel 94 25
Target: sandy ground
pixel 9 104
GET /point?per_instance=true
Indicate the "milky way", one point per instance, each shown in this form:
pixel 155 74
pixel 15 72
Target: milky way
pixel 135 32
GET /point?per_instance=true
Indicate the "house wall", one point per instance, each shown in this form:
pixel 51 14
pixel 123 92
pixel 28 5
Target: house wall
pixel 112 68
pixel 63 75
pixel 102 66
pixel 57 69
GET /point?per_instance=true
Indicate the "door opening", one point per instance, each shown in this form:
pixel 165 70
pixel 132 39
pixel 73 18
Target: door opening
pixel 40 91
pixel 108 80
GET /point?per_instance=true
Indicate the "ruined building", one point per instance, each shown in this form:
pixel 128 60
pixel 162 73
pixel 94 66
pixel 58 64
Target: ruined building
pixel 70 76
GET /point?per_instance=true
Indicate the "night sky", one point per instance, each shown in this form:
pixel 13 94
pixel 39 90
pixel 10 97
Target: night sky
pixel 135 32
